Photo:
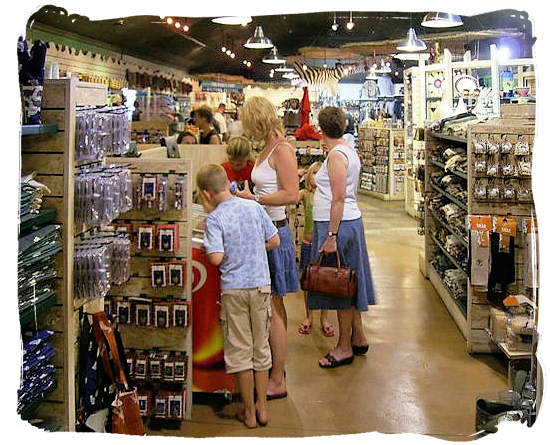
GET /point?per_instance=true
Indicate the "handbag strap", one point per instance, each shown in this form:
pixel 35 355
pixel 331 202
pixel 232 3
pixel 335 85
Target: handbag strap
pixel 104 331
pixel 322 257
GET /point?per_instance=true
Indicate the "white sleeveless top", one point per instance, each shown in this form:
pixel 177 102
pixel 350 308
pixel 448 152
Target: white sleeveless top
pixel 322 198
pixel 265 181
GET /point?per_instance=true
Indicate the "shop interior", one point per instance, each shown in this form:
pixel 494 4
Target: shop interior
pixel 441 108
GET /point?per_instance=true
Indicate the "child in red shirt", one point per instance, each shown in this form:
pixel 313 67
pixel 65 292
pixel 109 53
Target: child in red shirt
pixel 239 165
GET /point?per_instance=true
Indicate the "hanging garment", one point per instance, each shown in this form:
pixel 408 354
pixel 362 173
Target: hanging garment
pixel 502 271
pixel 479 261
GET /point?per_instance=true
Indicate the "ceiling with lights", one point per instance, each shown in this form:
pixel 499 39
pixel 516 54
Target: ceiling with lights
pixel 232 45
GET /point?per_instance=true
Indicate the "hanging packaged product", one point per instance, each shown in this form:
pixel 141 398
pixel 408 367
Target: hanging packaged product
pixel 168 374
pixel 122 311
pixel 506 226
pixel 180 367
pixel 145 401
pixel 175 274
pixel 141 366
pixel 130 362
pixel 146 237
pixel 155 365
pixel 175 406
pixel 168 237
pixel 149 190
pixel 162 183
pixel 161 405
pixel 480 228
pixel 161 312
pixel 180 193
pixel 180 315
pixel 531 253
pixel 143 314
pixel 158 275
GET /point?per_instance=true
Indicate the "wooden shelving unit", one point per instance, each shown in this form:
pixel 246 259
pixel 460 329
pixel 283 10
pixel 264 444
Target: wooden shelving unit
pixel 139 286
pixel 51 156
pixel 382 153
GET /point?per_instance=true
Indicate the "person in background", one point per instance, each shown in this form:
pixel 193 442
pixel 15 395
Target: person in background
pixel 236 237
pixel 275 177
pixel 186 138
pixel 203 120
pixel 338 226
pixel 222 124
pixel 306 197
pixel 350 121
pixel 235 128
pixel 239 165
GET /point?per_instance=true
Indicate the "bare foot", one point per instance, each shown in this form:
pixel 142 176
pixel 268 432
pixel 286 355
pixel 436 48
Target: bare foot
pixel 338 354
pixel 359 339
pixel 305 327
pixel 275 389
pixel 261 413
pixel 248 420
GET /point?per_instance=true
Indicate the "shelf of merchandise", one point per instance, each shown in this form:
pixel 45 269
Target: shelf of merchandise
pixel 449 137
pixel 479 340
pixel 52 157
pixel 451 229
pixel 395 154
pixel 454 172
pixel 34 313
pixel 177 339
pixel 432 244
pixel 32 130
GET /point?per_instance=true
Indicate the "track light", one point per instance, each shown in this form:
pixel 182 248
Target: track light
pixel 232 55
pixel 228 52
pixel 232 20
pixel 186 28
pixel 169 20
pixel 350 24
pixel 177 25
pixel 248 64
pixel 223 49
pixel 244 62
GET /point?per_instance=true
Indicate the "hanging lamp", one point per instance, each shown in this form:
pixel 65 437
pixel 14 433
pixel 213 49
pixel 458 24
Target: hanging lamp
pixel 441 20
pixel 273 58
pixel 232 20
pixel 258 40
pixel 284 69
pixel 412 43
pixel 290 75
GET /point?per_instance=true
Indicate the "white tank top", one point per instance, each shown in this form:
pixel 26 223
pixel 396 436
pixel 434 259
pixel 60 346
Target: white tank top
pixel 322 198
pixel 265 181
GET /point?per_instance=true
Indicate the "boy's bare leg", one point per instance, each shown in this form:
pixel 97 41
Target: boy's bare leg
pixel 260 379
pixel 246 385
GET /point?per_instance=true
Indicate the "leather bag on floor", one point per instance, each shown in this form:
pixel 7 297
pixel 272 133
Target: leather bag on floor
pixel 339 281
pixel 126 418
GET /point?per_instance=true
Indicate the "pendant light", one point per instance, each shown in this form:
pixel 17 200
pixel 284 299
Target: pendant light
pixel 258 40
pixel 232 20
pixel 350 24
pixel 290 75
pixel 412 43
pixel 283 69
pixel 441 20
pixel 273 58
pixel 334 24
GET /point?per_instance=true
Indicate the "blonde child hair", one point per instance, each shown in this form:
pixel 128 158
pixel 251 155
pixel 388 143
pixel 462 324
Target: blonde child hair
pixel 259 118
pixel 212 177
pixel 309 174
pixel 238 147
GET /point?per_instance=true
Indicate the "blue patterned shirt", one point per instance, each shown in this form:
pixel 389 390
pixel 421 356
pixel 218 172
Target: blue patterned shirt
pixel 239 228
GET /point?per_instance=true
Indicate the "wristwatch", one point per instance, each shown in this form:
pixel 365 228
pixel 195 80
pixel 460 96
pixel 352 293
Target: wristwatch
pixel 332 234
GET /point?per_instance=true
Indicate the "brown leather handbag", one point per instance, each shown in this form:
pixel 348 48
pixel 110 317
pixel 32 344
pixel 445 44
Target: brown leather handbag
pixel 339 281
pixel 126 418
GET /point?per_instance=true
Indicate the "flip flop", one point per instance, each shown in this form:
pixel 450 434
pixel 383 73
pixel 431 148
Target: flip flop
pixel 360 350
pixel 327 329
pixel 333 363
pixel 305 328
pixel 276 396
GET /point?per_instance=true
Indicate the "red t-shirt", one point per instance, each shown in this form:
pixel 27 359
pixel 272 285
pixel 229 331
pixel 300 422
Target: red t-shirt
pixel 242 175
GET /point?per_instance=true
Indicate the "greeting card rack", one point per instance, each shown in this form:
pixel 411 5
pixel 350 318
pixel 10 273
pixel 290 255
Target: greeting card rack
pixel 148 335
pixel 52 157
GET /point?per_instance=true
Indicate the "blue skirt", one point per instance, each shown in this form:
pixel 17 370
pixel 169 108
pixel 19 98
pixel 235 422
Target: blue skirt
pixel 282 265
pixel 353 252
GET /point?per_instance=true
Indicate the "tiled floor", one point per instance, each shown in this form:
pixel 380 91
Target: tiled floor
pixel 417 377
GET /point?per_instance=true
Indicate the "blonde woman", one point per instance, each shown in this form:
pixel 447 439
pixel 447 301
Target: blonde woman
pixel 306 197
pixel 275 176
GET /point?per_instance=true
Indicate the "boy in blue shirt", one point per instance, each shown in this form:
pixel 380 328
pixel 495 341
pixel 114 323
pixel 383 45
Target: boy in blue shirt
pixel 238 232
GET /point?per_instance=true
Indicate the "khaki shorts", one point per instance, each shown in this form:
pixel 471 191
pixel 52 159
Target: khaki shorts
pixel 245 316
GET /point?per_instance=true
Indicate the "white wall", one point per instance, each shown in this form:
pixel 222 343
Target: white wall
pixel 350 91
pixel 277 95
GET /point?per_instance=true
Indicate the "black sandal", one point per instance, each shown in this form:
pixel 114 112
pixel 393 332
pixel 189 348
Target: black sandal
pixel 333 363
pixel 359 350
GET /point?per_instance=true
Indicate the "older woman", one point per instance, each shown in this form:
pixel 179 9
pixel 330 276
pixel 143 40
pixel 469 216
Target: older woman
pixel 338 225
pixel 275 175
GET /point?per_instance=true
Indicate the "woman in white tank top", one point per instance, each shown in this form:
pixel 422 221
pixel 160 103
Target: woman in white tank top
pixel 275 177
pixel 338 225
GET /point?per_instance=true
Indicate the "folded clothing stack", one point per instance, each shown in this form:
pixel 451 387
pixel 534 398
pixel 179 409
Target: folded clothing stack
pixel 31 197
pixel 38 372
pixel 36 265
